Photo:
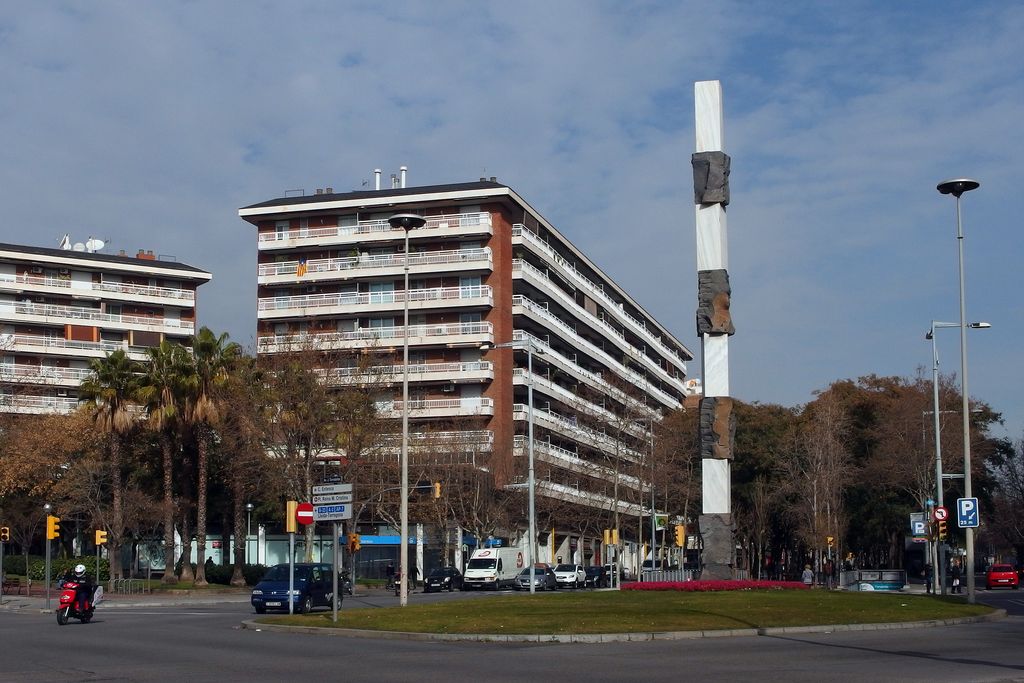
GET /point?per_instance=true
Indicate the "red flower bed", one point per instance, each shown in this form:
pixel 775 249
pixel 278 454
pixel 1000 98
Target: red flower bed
pixel 701 586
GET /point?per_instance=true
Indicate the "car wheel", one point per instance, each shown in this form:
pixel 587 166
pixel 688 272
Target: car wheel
pixel 307 605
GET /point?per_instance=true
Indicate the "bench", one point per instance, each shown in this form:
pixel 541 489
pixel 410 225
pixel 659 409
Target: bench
pixel 12 587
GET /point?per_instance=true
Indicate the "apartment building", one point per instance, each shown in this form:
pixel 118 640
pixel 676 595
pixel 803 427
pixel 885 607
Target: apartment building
pixel 61 308
pixel 493 290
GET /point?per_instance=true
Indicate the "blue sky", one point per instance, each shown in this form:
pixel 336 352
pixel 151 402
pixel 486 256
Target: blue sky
pixel 150 123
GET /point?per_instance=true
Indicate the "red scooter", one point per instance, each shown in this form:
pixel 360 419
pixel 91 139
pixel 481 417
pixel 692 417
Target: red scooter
pixel 71 606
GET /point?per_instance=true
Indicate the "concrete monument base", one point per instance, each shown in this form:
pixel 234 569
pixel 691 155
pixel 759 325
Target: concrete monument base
pixel 717 533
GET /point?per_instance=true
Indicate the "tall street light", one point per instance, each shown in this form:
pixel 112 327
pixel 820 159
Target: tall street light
pixel 940 572
pixel 957 187
pixel 248 528
pixel 406 221
pixel 528 345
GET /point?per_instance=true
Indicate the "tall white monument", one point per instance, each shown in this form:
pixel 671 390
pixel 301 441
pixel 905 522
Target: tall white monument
pixel 714 325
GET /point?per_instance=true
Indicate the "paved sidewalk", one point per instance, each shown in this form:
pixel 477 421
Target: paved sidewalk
pixel 37 601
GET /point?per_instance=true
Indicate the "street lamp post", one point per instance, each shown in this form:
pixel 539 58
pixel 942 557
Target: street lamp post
pixel 248 528
pixel 46 539
pixel 530 348
pixel 940 572
pixel 406 221
pixel 957 187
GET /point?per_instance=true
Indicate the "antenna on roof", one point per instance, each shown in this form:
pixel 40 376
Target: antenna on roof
pixel 78 246
pixel 94 244
pixel 65 241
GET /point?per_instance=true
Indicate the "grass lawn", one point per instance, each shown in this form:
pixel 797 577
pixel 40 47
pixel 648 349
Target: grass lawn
pixel 636 611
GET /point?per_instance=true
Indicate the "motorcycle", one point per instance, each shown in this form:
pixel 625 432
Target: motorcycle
pixel 71 606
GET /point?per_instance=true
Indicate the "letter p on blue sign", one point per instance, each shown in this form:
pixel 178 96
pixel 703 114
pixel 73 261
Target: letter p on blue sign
pixel 966 512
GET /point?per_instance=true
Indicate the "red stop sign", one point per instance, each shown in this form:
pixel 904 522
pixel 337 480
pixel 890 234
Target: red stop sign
pixel 304 513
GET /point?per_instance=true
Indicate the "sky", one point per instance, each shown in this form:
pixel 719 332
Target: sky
pixel 149 124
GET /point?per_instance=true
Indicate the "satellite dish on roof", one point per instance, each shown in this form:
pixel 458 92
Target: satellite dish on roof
pixel 78 246
pixel 94 244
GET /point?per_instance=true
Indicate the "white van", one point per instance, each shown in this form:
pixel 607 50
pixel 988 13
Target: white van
pixel 493 568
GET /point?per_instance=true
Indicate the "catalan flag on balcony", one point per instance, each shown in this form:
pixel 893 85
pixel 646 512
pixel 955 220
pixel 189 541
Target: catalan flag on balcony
pixel 301 269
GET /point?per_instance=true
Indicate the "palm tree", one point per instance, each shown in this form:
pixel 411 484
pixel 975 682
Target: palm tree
pixel 110 391
pixel 213 357
pixel 161 392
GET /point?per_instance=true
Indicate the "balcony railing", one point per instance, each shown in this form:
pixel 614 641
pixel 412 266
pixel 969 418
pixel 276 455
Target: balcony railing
pixel 34 374
pixel 335 265
pixel 568 460
pixel 520 230
pixel 369 334
pixel 476 404
pixel 116 287
pixel 456 221
pixel 375 298
pixel 393 373
pixel 28 403
pixel 95 315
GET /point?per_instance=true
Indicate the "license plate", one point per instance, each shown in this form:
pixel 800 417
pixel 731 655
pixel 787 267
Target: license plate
pixel 274 604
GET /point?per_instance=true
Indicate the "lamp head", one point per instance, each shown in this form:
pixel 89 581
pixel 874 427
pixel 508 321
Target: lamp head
pixel 249 507
pixel 979 326
pixel 957 186
pixel 407 221
pixel 929 336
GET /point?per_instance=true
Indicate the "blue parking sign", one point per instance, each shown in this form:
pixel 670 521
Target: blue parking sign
pixel 966 512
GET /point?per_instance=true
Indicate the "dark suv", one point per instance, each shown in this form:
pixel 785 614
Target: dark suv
pixel 443 579
pixel 313 588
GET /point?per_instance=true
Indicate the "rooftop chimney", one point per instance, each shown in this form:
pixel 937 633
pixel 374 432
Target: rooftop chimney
pixel 402 170
pixel 376 176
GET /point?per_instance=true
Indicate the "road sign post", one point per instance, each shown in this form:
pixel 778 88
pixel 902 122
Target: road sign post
pixel 304 513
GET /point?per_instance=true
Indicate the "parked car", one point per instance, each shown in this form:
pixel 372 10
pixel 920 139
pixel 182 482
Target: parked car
pixel 543 579
pixel 443 579
pixel 596 577
pixel 312 586
pixel 1002 576
pixel 570 575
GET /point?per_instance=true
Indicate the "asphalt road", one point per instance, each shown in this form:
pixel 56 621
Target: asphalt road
pixel 206 644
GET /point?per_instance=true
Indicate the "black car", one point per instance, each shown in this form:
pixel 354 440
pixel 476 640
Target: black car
pixel 597 577
pixel 313 587
pixel 443 579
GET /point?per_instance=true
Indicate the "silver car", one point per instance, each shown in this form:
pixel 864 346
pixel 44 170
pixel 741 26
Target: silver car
pixel 543 579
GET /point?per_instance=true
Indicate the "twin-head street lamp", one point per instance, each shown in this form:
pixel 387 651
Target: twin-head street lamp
pixel 527 345
pixel 406 221
pixel 956 187
pixel 941 551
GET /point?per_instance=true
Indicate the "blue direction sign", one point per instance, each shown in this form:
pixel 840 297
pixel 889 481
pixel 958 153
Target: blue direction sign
pixel 331 513
pixel 966 512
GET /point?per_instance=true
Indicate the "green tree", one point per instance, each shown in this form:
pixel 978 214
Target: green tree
pixel 110 392
pixel 213 357
pixel 161 391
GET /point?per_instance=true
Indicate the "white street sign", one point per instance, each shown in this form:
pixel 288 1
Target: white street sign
pixel 328 498
pixel 325 489
pixel 331 513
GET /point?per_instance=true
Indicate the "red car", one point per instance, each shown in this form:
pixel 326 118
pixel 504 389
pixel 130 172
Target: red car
pixel 1002 576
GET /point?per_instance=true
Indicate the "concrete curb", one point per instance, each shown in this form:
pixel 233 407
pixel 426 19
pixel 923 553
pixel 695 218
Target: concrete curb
pixel 252 625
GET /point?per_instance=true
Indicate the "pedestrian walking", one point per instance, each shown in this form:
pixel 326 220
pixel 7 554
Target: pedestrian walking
pixel 954 574
pixel 830 574
pixel 928 576
pixel 808 576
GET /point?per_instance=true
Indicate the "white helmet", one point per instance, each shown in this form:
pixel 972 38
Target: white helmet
pixel 79 570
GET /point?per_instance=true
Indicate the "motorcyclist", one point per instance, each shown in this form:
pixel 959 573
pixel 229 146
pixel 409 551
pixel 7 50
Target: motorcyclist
pixel 83 594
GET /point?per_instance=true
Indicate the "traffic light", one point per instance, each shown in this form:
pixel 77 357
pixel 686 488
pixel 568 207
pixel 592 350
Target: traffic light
pixel 607 536
pixel 52 527
pixel 437 490
pixel 681 535
pixel 291 525
pixel 353 542
pixel 101 537
pixel 943 531
pixel 5 534
pixel 830 540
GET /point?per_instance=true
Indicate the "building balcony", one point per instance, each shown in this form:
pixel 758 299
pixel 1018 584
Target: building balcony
pixel 569 461
pixel 56 314
pixel 438 407
pixel 58 346
pixel 520 234
pixel 544 317
pixel 597 501
pixel 31 404
pixel 454 373
pixel 449 334
pixel 374 265
pixel 48 375
pixel 367 303
pixel 65 286
pixel 451 225
pixel 571 427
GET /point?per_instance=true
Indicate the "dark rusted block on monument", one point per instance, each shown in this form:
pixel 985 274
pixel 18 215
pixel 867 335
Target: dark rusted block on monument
pixel 713 300
pixel 710 178
pixel 717 428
